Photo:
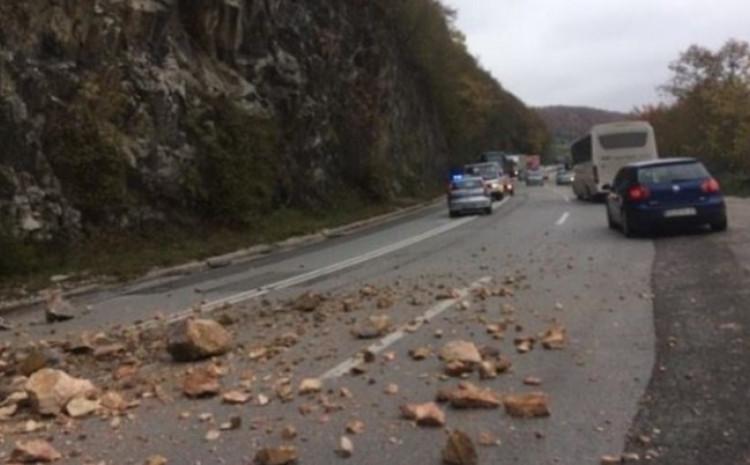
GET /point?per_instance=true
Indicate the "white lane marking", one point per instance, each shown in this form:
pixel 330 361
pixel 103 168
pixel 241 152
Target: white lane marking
pixel 223 302
pixel 378 347
pixel 563 219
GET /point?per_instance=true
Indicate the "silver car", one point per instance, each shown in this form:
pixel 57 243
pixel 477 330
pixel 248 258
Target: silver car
pixel 535 177
pixel 468 194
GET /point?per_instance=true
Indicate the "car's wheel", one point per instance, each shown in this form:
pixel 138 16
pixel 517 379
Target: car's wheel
pixel 626 225
pixel 720 225
pixel 488 211
pixel 453 214
pixel 610 222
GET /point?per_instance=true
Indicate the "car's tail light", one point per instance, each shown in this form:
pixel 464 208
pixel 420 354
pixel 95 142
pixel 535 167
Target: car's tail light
pixel 638 193
pixel 710 186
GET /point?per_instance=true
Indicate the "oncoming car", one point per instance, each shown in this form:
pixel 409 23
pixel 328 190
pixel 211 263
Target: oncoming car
pixel 677 191
pixel 468 195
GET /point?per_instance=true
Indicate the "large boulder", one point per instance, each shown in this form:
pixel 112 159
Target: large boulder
pixel 50 390
pixel 191 340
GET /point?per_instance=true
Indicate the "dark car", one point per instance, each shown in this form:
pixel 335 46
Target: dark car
pixel 680 191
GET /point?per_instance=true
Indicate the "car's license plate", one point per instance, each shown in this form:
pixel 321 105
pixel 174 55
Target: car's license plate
pixel 677 212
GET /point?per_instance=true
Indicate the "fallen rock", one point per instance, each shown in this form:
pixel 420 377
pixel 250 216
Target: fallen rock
pixel 34 451
pixel 487 370
pixel 373 326
pixel 355 427
pixel 420 353
pixel 524 344
pixel 456 368
pixel 460 351
pixel 201 382
pixel 554 338
pixel 346 447
pixel 530 405
pixel 236 397
pixel 467 396
pixel 459 450
pixel 308 302
pixel 610 460
pixel 50 390
pixel 156 460
pixel 391 389
pixel 108 351
pixel 58 309
pixel 310 386
pixel 288 433
pixel 532 381
pixel 80 407
pixel 37 359
pixel 113 401
pixel 428 414
pixel 283 455
pixel 191 340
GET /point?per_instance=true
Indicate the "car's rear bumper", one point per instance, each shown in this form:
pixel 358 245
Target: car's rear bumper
pixel 470 204
pixel 707 212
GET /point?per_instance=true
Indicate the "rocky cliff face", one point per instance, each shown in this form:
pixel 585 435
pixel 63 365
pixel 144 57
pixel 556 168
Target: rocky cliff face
pixel 122 113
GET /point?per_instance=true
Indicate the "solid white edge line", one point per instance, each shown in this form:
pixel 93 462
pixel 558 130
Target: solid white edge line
pixel 387 341
pixel 234 299
pixel 563 219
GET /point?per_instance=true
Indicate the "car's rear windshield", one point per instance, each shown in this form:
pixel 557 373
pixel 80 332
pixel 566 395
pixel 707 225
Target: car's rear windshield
pixel 623 140
pixel 672 173
pixel 489 170
pixel 467 184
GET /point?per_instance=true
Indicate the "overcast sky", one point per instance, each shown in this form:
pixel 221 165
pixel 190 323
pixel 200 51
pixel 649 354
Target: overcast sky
pixel 609 54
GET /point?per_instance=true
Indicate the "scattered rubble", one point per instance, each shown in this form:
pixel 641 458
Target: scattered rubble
pixel 156 460
pixel 524 344
pixel 196 339
pixel 236 397
pixel 80 407
pixel 355 427
pixel 420 353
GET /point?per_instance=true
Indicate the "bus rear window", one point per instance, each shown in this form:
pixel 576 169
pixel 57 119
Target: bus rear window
pixel 625 140
pixel 672 173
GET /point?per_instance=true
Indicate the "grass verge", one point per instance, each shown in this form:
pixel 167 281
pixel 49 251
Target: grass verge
pixel 121 257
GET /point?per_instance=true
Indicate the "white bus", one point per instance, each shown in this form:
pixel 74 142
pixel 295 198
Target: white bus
pixel 604 150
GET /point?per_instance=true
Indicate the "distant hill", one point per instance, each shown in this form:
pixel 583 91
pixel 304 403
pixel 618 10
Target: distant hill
pixel 567 123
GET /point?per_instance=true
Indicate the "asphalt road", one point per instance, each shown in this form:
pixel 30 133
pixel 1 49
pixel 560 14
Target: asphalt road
pixel 566 268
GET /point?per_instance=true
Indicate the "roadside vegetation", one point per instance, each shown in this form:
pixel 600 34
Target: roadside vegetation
pixel 708 115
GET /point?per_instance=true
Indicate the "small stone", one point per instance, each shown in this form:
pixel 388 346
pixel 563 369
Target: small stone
pixel 201 382
pixel 373 326
pixel 610 460
pixel 428 414
pixel 80 407
pixel 355 427
pixel 310 386
pixel 527 405
pixel 156 460
pixel 391 389
pixel 420 353
pixel 346 447
pixel 283 455
pixel 235 397
pixel 289 433
pixel 459 450
pixel 461 351
pixel 554 338
pixel 532 381
pixel 34 451
pixel 191 340
pixel 213 435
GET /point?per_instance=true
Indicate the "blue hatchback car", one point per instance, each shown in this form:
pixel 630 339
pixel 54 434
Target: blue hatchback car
pixel 647 195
